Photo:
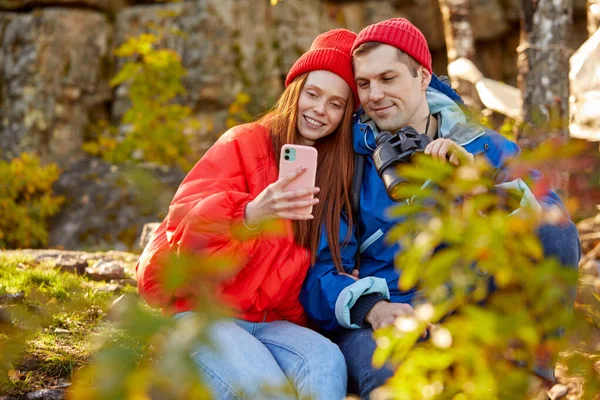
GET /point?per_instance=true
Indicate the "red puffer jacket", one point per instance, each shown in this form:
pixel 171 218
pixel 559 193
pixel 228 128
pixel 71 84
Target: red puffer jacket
pixel 203 218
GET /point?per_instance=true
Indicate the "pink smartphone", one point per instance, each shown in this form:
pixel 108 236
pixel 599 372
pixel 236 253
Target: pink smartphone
pixel 292 157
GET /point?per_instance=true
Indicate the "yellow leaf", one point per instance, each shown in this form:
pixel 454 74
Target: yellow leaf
pixel 231 122
pixel 243 98
pixel 13 375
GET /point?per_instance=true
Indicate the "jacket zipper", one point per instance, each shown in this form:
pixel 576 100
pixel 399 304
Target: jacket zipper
pixel 371 240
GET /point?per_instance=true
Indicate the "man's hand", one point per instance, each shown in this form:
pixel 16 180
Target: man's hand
pixel 442 148
pixel 384 314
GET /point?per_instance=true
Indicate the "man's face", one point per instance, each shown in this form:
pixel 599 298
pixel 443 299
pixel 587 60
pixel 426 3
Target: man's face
pixel 388 91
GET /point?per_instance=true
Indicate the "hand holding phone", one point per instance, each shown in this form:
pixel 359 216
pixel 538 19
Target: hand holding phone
pixel 292 195
pixel 293 156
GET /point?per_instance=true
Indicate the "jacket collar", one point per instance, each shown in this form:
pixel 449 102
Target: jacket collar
pixel 452 123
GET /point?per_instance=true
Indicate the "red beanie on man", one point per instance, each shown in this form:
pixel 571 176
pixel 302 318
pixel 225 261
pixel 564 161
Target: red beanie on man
pixel 330 51
pixel 400 33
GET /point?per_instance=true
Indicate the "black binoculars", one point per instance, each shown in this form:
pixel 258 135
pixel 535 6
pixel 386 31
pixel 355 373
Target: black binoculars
pixel 393 149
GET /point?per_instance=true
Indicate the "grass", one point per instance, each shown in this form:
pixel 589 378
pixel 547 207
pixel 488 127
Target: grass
pixel 47 332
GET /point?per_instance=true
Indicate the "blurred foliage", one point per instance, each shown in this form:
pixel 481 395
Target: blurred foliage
pixel 583 361
pixel 143 354
pixel 26 201
pixel 486 342
pixel 506 128
pixel 149 354
pixel 154 127
pixel 238 110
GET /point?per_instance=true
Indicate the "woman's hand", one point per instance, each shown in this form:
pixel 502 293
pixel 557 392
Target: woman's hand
pixel 442 148
pixel 273 202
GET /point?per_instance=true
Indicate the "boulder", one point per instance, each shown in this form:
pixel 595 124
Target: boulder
pixel 102 5
pixel 296 26
pixel 488 20
pixel 47 394
pixel 107 206
pixel 206 48
pixel 227 47
pixel 53 81
pixel 147 234
pixel 106 271
pixel 107 6
pixel 55 256
pixel 71 264
pixel 584 79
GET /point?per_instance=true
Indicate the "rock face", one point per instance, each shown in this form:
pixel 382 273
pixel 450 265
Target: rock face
pixel 53 80
pixel 205 47
pixel 585 89
pixel 227 47
pixel 297 26
pixel 108 206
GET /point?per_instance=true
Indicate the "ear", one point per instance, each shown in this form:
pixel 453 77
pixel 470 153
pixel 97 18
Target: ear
pixel 425 78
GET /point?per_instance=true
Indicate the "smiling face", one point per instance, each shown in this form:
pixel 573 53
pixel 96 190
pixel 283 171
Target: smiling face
pixel 321 105
pixel 387 89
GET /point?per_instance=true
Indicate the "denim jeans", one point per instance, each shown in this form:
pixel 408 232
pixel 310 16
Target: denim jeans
pixel 559 241
pixel 247 357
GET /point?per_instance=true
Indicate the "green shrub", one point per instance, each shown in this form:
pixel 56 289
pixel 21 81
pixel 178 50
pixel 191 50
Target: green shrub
pixel 484 344
pixel 26 201
pixel 155 122
pixel 237 112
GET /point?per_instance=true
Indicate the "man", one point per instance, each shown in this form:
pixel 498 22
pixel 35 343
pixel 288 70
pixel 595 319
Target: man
pixel 396 87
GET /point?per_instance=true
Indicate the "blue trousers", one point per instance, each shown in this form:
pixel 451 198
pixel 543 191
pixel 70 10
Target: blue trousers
pixel 357 345
pixel 245 357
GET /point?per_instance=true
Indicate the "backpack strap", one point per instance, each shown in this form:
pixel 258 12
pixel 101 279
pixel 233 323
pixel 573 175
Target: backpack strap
pixel 359 168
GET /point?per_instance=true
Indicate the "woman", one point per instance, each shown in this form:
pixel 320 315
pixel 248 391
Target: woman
pixel 218 211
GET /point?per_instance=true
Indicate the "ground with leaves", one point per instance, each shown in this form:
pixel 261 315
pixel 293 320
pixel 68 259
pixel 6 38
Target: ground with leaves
pixel 70 294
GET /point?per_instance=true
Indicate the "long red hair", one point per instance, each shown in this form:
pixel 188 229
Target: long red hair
pixel 335 168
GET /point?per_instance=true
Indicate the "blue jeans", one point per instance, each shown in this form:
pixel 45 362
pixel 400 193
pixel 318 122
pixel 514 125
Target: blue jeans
pixel 247 357
pixel 358 347
pixel 559 241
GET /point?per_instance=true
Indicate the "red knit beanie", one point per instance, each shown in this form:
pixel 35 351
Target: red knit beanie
pixel 330 51
pixel 400 33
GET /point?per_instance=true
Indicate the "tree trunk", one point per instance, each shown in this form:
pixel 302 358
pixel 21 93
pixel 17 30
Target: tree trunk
pixel 460 43
pixel 543 63
pixel 593 16
pixel 457 28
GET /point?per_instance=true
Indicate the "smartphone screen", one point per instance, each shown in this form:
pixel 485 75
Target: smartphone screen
pixel 294 156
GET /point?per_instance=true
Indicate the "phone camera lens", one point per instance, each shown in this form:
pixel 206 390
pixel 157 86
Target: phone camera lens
pixel 286 158
pixel 287 151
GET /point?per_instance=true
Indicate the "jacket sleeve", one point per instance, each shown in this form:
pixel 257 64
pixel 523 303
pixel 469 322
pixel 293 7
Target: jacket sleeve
pixel 205 218
pixel 327 296
pixel 208 209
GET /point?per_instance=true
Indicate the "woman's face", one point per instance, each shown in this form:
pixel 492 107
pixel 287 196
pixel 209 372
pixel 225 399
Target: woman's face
pixel 321 105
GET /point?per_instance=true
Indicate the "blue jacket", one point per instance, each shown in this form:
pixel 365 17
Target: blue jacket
pixel 328 296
